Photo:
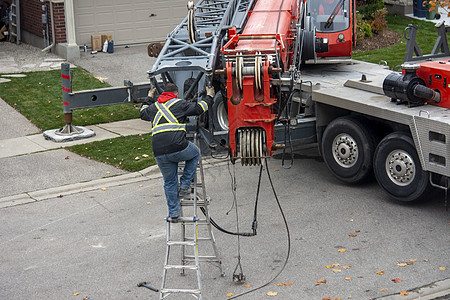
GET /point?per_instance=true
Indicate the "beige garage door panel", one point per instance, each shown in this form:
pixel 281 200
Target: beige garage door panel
pixel 128 21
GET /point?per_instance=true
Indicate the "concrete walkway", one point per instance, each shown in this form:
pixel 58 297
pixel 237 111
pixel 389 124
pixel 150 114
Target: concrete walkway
pixel 37 143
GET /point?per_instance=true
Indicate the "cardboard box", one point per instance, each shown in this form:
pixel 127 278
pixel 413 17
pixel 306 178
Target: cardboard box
pixel 96 41
pixel 106 37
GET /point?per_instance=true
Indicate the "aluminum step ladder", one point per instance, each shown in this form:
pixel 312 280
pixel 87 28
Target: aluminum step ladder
pixel 191 227
pixel 14 30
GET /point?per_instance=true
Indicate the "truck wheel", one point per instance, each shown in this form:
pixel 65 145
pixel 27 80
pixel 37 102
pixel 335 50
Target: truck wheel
pixel 347 149
pixel 398 170
pixel 220 113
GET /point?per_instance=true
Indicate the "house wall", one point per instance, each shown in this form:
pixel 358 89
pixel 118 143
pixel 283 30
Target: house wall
pixel 32 26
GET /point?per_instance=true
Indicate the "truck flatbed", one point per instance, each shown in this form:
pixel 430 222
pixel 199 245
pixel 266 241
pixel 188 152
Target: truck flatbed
pixel 341 86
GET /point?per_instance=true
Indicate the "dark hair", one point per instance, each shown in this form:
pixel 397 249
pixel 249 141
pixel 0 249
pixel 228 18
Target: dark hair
pixel 171 88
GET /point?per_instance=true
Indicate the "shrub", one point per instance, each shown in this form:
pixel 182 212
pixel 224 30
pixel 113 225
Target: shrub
pixel 368 8
pixel 363 28
pixel 379 22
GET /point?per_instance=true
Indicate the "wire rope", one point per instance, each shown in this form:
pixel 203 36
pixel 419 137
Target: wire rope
pixel 288 237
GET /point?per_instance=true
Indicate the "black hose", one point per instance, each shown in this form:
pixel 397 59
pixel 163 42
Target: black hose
pixel 255 215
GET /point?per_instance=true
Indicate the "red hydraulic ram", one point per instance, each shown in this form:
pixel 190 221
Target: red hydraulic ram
pixel 266 41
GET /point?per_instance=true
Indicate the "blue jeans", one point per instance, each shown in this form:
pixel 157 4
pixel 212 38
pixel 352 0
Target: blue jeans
pixel 168 165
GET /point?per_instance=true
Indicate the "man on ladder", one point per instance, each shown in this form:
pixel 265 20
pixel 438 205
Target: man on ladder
pixel 170 146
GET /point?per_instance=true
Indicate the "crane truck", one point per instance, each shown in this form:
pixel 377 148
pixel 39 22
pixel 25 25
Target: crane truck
pixel 284 76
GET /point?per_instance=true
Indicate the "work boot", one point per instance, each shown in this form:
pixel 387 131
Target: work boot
pixel 184 193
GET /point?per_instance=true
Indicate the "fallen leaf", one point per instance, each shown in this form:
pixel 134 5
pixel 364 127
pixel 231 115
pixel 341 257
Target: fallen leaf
pixel 276 170
pixel 246 285
pixel 409 263
pixel 380 272
pixel 288 284
pixel 342 250
pixel 337 270
pixel 320 281
pixel 412 260
pixel 326 298
pixel 137 158
pixel 76 294
pixel 351 220
pixel 402 264
pixel 230 294
pixel 108 172
pixel 67 157
pixel 426 260
pixel 348 278
pixel 404 293
pixel 272 293
pixel 352 234
pixel 333 266
pixel 145 155
pixel 346 267
pixel 442 268
pixel 279 284
pixel 149 203
pixel 383 290
pixel 397 280
pixel 103 189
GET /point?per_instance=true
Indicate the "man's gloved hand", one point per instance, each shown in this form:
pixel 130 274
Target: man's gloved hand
pixel 210 91
pixel 152 92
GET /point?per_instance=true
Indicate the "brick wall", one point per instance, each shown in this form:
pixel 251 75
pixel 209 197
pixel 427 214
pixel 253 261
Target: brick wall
pixel 30 17
pixel 31 20
pixel 60 22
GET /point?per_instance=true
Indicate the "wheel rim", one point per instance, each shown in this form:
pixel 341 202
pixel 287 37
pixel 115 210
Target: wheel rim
pixel 222 116
pixel 400 167
pixel 345 150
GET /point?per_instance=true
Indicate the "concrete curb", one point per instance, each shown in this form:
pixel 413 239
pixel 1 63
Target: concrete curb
pixel 70 189
pixel 436 290
pixel 81 187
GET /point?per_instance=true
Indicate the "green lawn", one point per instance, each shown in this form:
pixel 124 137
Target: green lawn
pixel 38 97
pixel 394 55
pixel 131 153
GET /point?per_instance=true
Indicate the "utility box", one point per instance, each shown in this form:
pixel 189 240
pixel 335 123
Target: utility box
pixel 96 41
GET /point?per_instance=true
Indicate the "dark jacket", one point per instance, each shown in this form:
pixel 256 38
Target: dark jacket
pixel 173 140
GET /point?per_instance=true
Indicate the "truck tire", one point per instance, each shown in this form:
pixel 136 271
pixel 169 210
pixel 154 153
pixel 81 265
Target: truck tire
pixel 220 113
pixel 398 170
pixel 347 149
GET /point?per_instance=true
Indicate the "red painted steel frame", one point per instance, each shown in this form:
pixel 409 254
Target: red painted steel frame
pixel 269 30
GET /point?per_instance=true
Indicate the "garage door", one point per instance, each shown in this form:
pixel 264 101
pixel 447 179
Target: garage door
pixel 129 21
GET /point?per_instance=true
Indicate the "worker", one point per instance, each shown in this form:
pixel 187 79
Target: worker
pixel 170 146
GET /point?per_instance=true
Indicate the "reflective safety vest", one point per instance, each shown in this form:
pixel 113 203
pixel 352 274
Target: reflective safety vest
pixel 172 123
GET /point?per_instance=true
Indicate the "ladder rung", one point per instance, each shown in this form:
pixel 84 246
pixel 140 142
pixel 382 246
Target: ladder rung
pixel 191 203
pixel 181 267
pixel 198 239
pixel 187 291
pixel 181 243
pixel 202 257
pixel 188 220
